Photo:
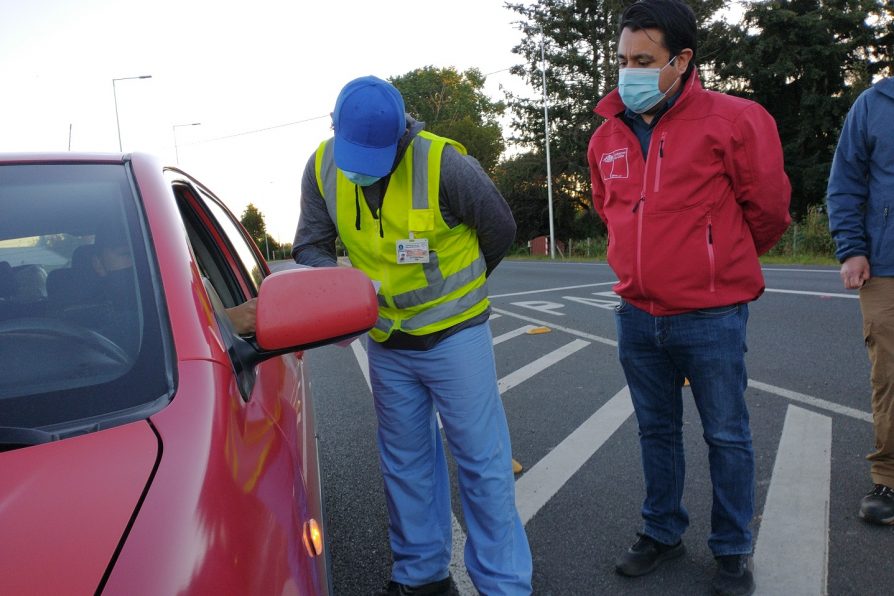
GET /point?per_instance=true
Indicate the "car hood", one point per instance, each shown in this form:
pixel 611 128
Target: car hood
pixel 65 506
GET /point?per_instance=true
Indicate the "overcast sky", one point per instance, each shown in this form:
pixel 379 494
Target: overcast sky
pixel 261 77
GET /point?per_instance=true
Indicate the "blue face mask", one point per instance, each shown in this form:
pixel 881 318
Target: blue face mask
pixel 360 179
pixel 639 87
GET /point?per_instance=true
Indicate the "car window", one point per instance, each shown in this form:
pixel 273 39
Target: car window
pixel 220 264
pixel 80 324
pixel 237 240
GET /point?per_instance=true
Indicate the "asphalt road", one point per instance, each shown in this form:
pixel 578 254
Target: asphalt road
pixel 572 429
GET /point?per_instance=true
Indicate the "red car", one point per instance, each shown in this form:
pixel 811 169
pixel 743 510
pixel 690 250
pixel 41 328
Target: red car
pixel 146 447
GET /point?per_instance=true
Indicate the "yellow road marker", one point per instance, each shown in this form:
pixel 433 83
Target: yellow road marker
pixel 538 330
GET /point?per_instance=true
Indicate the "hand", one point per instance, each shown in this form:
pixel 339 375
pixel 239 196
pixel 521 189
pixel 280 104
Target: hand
pixel 855 272
pixel 244 316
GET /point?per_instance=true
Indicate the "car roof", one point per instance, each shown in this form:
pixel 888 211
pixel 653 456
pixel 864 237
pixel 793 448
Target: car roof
pixel 62 157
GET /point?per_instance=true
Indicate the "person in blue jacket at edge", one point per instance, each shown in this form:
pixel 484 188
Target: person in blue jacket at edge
pixel 423 220
pixel 860 200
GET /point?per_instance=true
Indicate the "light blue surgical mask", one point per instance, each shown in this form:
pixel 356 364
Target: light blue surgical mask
pixel 639 87
pixel 360 179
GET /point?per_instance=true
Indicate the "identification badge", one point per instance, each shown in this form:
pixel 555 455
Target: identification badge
pixel 412 251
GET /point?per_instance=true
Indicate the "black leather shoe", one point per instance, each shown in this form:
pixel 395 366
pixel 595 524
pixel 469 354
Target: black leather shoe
pixel 646 555
pixel 877 507
pixel 445 587
pixel 734 576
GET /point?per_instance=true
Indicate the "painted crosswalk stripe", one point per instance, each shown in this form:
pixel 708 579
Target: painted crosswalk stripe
pixel 543 481
pixel 809 400
pixel 514 333
pixel 820 294
pixel 360 355
pixel 792 551
pixel 458 572
pixel 539 365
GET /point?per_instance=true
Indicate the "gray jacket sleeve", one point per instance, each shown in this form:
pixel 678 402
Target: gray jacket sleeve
pixel 314 243
pixel 469 196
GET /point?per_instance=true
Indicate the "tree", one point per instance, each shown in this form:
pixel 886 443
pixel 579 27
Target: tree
pixel 522 181
pixel 453 105
pixel 579 40
pixel 253 222
pixel 806 61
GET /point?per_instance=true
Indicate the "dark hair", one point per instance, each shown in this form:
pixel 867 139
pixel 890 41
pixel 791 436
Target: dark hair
pixel 672 17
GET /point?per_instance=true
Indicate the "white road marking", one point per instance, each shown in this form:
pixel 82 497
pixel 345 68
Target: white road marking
pixel 543 306
pixel 792 552
pixel 526 372
pixel 822 294
pixel 549 475
pixel 562 289
pixel 606 304
pixel 811 401
pixel 588 336
pixel 360 355
pixel 786 393
pixel 457 567
pixel 514 333
pixel 835 271
pixel 853 296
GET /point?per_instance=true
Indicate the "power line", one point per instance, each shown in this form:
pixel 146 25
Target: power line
pixel 274 127
pixel 257 130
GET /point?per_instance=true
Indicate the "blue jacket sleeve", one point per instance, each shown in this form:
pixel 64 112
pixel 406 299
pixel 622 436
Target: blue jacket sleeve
pixel 848 188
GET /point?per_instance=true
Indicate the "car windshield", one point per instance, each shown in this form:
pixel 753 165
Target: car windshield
pixel 80 334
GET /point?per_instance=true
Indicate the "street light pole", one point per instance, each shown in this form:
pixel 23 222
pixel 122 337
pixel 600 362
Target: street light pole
pixel 174 130
pixel 115 94
pixel 549 174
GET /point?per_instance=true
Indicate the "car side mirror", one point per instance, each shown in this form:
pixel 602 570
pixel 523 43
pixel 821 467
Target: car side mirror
pixel 304 308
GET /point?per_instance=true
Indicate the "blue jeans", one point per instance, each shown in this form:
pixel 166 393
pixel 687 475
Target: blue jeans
pixel 457 378
pixel 658 354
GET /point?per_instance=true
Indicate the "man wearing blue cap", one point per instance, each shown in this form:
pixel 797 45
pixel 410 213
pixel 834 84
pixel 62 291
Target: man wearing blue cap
pixel 422 219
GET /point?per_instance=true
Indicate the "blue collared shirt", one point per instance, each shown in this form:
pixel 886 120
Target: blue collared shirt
pixel 641 128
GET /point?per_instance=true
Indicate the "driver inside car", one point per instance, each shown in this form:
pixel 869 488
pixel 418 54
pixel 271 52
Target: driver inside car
pixel 113 264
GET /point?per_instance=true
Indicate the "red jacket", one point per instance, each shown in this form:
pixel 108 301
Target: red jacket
pixel 686 225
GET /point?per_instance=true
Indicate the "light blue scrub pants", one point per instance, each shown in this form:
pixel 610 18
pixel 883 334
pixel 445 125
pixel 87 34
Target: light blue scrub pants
pixel 458 379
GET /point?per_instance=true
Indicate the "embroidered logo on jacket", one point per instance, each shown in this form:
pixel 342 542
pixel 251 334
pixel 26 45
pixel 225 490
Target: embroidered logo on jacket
pixel 614 164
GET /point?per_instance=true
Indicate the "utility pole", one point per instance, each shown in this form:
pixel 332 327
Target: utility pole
pixel 549 174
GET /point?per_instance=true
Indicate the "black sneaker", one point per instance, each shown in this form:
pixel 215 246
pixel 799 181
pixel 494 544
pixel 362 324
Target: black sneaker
pixel 445 587
pixel 734 577
pixel 646 555
pixel 877 507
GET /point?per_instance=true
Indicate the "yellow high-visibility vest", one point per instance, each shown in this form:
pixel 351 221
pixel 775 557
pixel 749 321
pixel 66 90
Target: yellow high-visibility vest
pixel 416 298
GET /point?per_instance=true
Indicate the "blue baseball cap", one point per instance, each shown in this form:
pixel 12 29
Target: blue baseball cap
pixel 369 120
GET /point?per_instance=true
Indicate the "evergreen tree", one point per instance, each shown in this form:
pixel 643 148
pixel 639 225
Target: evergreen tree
pixel 253 222
pixel 806 61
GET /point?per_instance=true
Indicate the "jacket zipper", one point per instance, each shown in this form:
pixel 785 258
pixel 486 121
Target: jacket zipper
pixel 711 261
pixel 639 241
pixel 660 160
pixel 639 207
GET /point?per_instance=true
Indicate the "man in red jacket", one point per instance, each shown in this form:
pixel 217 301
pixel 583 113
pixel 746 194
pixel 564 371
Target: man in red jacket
pixel 691 186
